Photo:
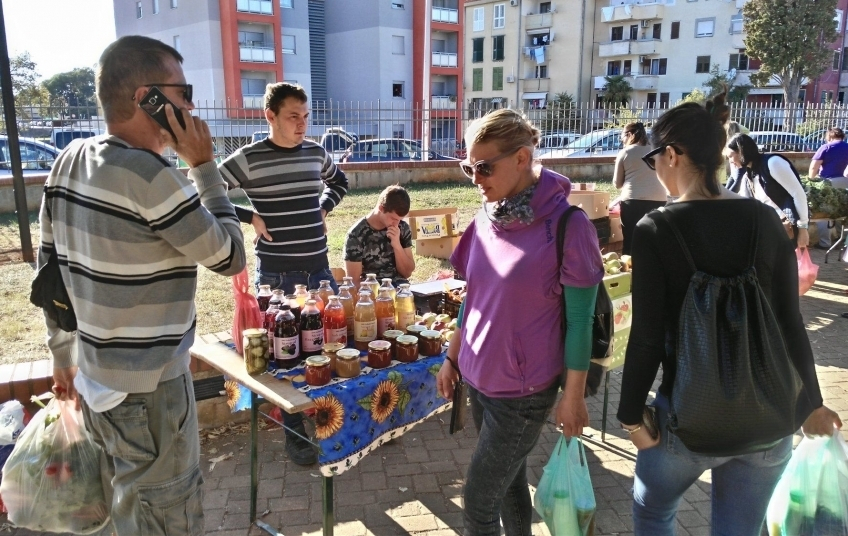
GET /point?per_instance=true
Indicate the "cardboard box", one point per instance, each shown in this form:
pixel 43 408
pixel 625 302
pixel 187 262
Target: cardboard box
pixel 622 312
pixel 595 204
pixel 618 284
pixel 433 223
pixel 437 247
pixel 615 229
pixel 338 274
pixel 619 349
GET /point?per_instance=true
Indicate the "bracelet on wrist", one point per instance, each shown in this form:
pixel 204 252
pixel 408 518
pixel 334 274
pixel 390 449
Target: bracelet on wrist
pixel 631 431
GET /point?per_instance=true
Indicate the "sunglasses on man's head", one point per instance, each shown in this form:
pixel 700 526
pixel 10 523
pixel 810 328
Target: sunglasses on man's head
pixel 649 158
pixel 188 90
pixel 482 167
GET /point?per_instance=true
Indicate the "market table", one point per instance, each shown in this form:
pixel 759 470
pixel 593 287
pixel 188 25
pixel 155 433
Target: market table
pixel 353 416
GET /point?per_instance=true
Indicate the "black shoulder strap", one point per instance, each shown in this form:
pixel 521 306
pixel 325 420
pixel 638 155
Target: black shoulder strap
pixel 679 238
pixel 561 225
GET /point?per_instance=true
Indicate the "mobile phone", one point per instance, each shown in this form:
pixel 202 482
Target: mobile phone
pixel 154 102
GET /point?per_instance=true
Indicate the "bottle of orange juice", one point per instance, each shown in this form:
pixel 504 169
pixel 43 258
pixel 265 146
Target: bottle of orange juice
pixel 364 321
pixel 325 291
pixel 347 303
pixel 385 312
pixel 335 324
pixel 404 307
pixel 314 294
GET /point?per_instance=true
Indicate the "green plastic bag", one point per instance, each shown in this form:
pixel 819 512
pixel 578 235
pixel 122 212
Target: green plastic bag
pixel 811 498
pixel 565 499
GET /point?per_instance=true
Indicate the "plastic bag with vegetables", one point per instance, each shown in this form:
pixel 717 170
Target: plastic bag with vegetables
pixel 51 481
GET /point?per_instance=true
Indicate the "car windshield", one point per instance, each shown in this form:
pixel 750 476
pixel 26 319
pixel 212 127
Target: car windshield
pixel 588 140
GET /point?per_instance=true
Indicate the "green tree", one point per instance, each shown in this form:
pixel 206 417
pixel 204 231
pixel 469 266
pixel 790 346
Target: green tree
pixel 74 90
pixel 696 95
pixel 791 39
pixel 718 80
pixel 617 90
pixel 29 95
pixel 561 114
pixel 624 115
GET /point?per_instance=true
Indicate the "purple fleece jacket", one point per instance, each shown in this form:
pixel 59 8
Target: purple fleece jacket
pixel 512 343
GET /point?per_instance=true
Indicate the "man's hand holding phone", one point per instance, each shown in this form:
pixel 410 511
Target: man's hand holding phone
pixel 194 143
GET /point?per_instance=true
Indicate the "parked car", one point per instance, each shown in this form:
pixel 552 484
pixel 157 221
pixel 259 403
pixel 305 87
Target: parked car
pixel 557 140
pixel 335 140
pixel 61 137
pixel 36 157
pixel 817 138
pixel 776 141
pixel 388 149
pixel 597 143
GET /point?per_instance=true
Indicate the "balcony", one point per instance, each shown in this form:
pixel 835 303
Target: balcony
pixel 643 82
pixel 614 48
pixel 534 85
pixel 538 21
pixel 445 14
pixel 256 54
pixel 254 102
pixel 644 46
pixel 631 12
pixel 599 83
pixel 447 102
pixel 444 59
pixel 263 7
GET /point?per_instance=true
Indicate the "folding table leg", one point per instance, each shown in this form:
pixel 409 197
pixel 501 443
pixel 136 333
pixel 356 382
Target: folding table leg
pixel 254 439
pixel 606 400
pixel 329 517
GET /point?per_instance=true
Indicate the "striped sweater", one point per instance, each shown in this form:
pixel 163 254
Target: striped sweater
pixel 284 186
pixel 129 231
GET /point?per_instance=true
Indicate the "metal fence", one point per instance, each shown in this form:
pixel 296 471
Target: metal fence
pixel 445 120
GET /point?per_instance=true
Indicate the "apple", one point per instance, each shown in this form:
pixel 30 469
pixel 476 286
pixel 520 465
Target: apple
pixel 443 318
pixel 421 323
pixel 438 325
pixel 452 324
pixel 447 335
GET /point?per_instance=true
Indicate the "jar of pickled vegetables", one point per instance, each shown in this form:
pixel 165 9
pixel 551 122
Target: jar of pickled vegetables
pixel 255 348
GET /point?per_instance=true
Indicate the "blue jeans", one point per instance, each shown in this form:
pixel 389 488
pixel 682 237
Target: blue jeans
pixel 496 483
pixel 286 282
pixel 741 489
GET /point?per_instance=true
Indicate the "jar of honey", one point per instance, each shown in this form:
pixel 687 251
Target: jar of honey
pixel 255 347
pixel 347 363
pixel 430 343
pixel 415 329
pixel 391 335
pixel 330 349
pixel 406 348
pixel 318 370
pixel 379 354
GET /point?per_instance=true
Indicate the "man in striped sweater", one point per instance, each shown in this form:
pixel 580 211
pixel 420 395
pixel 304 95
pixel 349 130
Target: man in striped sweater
pixel 128 231
pixel 283 176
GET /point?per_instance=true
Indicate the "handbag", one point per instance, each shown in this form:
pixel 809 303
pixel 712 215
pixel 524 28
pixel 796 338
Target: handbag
pixel 457 419
pixel 735 390
pixel 48 292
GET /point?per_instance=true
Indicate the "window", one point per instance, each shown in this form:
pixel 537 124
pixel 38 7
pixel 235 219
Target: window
pixel 541 71
pixel 675 30
pixel 499 20
pixel 836 57
pixel 289 44
pixel 477 80
pixel 397 89
pixel 497 78
pixel 397 131
pixel 657 30
pixel 497 48
pixel 398 45
pixel 738 62
pixel 155 7
pixel 138 10
pixel 478 19
pixel 544 7
pixel 613 68
pixel 737 23
pixel 658 66
pixel 287 4
pixel 477 50
pixel 177 43
pixel 253 86
pixel 826 96
pixel 252 39
pixel 634 32
pixel 702 64
pixel 538 40
pixel 838 19
pixel 664 100
pixel 173 4
pixel 704 27
pixel 652 100
pixel 845 59
pixel 617 33
pixel 628 67
pixel 397 5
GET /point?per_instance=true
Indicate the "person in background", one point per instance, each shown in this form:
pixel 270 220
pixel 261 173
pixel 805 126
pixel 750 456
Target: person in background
pixel 283 176
pixel 513 367
pixel 689 142
pixel 381 242
pixel 770 179
pixel 830 163
pixel 641 192
pixel 129 231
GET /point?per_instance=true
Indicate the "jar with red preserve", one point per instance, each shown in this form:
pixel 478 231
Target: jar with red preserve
pixel 347 363
pixel 391 335
pixel 406 348
pixel 415 329
pixel 379 354
pixel 430 343
pixel 318 370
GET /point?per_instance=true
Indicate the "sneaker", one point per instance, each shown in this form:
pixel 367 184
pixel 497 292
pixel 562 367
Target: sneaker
pixel 300 451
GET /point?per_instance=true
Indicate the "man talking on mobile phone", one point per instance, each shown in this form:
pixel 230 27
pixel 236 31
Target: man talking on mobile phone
pixel 129 232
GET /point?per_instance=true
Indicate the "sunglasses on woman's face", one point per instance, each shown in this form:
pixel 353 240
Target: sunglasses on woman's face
pixel 649 158
pixel 482 167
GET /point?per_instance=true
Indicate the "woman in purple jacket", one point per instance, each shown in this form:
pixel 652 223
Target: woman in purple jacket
pixel 510 347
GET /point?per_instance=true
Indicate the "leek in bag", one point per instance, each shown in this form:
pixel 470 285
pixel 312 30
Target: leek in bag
pixel 51 481
pixel 565 499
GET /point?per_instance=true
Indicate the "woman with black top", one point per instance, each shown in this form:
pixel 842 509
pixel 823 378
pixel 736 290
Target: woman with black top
pixel 688 142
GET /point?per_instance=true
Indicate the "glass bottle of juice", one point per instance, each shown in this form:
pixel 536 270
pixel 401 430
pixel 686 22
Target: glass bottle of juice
pixel 347 282
pixel 286 338
pixel 314 294
pixel 263 297
pixel 373 284
pixel 311 330
pixel 384 310
pixel 325 291
pixel 387 285
pixel 295 307
pixel 269 320
pixel 301 294
pixel 364 321
pixel 335 323
pixel 404 307
pixel 347 303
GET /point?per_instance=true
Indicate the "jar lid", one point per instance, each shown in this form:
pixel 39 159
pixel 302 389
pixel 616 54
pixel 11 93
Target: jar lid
pixel 403 340
pixel 392 333
pixel 317 361
pixel 332 347
pixel 431 334
pixel 347 354
pixel 254 332
pixel 416 327
pixel 379 345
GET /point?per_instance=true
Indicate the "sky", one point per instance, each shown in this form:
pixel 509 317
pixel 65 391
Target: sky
pixel 60 35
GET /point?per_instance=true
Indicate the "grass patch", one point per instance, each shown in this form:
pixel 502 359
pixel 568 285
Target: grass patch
pixel 22 332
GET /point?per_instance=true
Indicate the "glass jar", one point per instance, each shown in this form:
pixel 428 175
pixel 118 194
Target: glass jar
pixel 318 370
pixel 255 346
pixel 415 329
pixel 373 284
pixel 379 354
pixel 348 364
pixel 331 350
pixel 406 348
pixel 263 297
pixel 430 343
pixel 391 335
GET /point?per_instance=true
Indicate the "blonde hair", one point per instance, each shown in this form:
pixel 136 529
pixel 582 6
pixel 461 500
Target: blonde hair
pixel 507 128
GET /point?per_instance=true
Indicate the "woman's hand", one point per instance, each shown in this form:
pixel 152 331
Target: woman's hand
pixel 63 384
pixel 446 379
pixel 821 422
pixel 571 413
pixel 642 440
pixel 803 238
pixel 261 231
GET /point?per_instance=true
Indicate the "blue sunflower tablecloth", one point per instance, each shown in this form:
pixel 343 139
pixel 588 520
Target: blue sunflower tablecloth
pixel 354 416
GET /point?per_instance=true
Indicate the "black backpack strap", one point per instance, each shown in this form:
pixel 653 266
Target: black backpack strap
pixel 755 230
pixel 679 238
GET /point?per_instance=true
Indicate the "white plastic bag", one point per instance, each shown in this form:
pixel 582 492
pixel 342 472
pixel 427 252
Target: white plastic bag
pixel 11 421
